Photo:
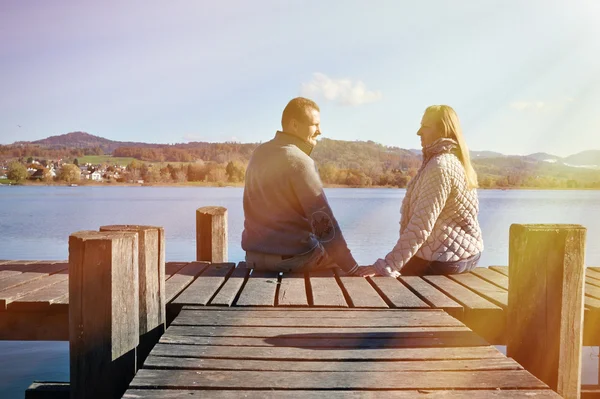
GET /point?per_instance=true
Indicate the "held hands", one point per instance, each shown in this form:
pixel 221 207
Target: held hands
pixel 382 269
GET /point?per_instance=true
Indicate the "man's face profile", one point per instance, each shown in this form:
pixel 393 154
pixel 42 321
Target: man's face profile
pixel 309 128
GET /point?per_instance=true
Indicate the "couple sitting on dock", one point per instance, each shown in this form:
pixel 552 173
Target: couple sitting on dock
pixel 290 227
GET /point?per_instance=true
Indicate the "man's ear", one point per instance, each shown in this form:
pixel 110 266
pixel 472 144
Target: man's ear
pixel 293 125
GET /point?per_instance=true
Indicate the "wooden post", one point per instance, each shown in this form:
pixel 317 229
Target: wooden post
pixel 152 297
pixel 211 234
pixel 103 312
pixel 545 303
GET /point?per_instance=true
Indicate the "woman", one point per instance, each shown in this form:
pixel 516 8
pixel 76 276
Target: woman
pixel 439 231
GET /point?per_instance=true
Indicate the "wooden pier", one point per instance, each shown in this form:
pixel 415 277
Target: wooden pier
pixel 34 297
pixel 233 331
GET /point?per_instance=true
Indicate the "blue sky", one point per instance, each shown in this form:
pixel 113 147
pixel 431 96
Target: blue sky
pixel 522 75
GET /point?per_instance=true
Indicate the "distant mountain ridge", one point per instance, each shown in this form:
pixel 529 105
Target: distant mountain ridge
pixel 588 158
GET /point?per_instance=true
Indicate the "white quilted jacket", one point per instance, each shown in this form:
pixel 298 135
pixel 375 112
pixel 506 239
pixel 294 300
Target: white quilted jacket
pixel 439 213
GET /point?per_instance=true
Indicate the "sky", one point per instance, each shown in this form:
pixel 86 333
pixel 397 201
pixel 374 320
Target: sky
pixel 523 76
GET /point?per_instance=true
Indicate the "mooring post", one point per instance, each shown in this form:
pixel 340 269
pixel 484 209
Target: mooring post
pixel 211 234
pixel 545 303
pixel 103 313
pixel 151 274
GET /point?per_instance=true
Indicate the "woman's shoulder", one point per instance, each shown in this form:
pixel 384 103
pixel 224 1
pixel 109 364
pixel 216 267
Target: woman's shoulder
pixel 446 161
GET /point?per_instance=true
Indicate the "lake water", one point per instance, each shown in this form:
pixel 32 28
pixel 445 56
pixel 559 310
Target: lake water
pixel 35 223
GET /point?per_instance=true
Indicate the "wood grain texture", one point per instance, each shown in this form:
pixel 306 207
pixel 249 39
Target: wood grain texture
pixel 211 234
pixel 292 290
pixel 546 264
pixel 206 285
pixel 184 277
pixel 433 296
pixel 229 291
pixel 325 290
pixel 360 293
pixel 397 294
pixel 259 290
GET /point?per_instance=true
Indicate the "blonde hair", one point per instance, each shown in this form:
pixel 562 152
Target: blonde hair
pixel 450 128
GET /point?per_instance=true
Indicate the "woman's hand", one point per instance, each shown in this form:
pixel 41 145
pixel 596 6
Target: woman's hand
pixel 366 271
pixel 383 269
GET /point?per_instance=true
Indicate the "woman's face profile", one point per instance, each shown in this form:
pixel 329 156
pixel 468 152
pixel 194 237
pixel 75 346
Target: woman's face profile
pixel 429 131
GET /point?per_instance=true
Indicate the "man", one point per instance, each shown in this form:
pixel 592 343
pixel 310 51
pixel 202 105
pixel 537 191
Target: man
pixel 289 226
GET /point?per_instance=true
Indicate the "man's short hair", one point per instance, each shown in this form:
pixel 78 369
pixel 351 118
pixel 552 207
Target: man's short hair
pixel 298 109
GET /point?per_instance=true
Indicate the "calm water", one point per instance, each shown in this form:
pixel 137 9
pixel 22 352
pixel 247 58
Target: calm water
pixel 35 223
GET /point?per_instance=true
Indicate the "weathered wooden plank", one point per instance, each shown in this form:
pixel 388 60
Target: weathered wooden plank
pixel 292 354
pixel 325 290
pixel 221 379
pixel 397 294
pixel 344 394
pixel 13 268
pixel 292 290
pixel 172 268
pixel 500 269
pixel 40 301
pixel 232 286
pixel 190 363
pixel 360 293
pixel 206 285
pixel 547 273
pixel 259 289
pixel 266 332
pixel 387 319
pixel 330 313
pixel 177 283
pixel 593 272
pixel 40 271
pixel 433 296
pixel 14 293
pixel 43 326
pixel 348 339
pixel 481 315
pixel 489 291
pixel 492 276
pixel 592 291
pixel 48 390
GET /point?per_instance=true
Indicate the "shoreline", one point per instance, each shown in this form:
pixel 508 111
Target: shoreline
pixel 238 185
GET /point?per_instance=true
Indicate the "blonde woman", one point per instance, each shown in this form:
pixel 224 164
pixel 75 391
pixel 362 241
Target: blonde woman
pixel 439 230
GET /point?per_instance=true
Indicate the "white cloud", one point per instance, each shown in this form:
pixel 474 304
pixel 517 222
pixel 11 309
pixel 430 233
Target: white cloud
pixel 341 91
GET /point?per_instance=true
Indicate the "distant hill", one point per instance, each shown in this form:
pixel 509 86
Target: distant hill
pixel 589 158
pixel 83 140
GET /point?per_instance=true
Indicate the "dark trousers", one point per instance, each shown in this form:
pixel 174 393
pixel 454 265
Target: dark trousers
pixel 421 267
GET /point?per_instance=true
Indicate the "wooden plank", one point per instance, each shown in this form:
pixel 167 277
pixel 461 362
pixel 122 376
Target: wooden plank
pixel 292 290
pixel 593 272
pixel 396 294
pixel 360 293
pixel 325 290
pixel 266 332
pixel 43 326
pixel 14 293
pixel 190 363
pixel 489 291
pixel 547 277
pixel 297 354
pixel 232 286
pixel 40 301
pixel 317 313
pixel 177 283
pixel 400 319
pixel 38 272
pixel 259 289
pixel 221 379
pixel 492 276
pixel 348 340
pixel 592 291
pixel 500 269
pixel 172 268
pixel 481 315
pixel 206 285
pixel 343 394
pixel 433 296
pixel 13 268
